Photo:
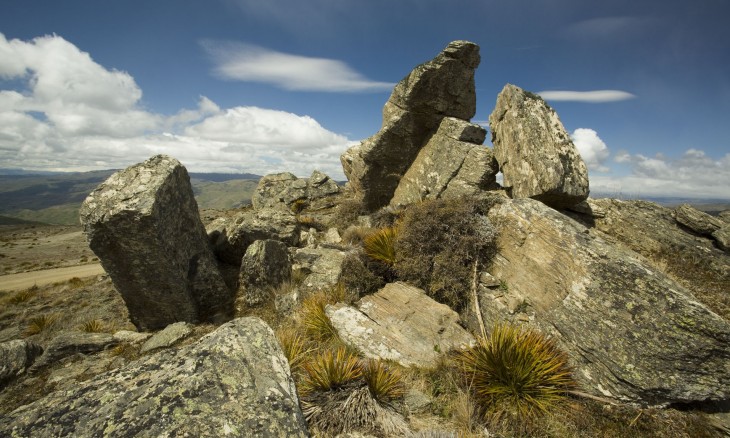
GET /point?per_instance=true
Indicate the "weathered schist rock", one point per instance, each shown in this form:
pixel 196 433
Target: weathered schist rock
pixel 143 224
pixel 233 382
pixel 704 224
pixel 442 87
pixel 633 333
pixel 400 323
pixel 71 343
pixel 266 265
pixel 230 237
pixel 284 189
pixel 536 155
pixel 453 163
pixel 16 357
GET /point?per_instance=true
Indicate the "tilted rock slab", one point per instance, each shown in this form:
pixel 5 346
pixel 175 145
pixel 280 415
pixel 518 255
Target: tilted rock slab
pixel 536 155
pixel 143 224
pixel 633 334
pixel 452 164
pixel 266 265
pixel 233 382
pixel 400 323
pixel 442 87
pixel 285 189
pixel 71 343
pixel 704 224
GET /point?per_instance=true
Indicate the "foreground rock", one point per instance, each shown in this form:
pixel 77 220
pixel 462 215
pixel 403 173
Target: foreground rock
pixel 143 224
pixel 452 164
pixel 16 357
pixel 633 333
pixel 400 323
pixel 284 189
pixel 233 382
pixel 535 153
pixel 442 87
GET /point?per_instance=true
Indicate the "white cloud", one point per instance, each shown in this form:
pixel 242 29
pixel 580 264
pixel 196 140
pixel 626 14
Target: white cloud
pixel 75 114
pixel 692 175
pixel 246 62
pixel 596 96
pixel 592 149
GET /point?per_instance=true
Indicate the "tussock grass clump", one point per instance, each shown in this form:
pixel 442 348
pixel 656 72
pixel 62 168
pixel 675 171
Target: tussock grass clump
pixel 380 245
pixel 294 346
pixel 315 321
pixel 41 323
pixel 23 296
pixel 94 326
pixel 385 382
pixel 330 371
pixel 516 374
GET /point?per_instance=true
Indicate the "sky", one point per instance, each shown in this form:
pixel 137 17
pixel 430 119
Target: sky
pixel 253 86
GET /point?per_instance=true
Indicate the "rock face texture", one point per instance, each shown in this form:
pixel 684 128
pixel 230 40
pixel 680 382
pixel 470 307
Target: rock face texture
pixel 442 87
pixel 70 343
pixel 143 224
pixel 283 189
pixel 400 323
pixel 16 357
pixel 535 153
pixel 265 265
pixel 453 163
pixel 167 337
pixel 696 220
pixel 322 267
pixel 230 237
pixel 633 333
pixel 233 382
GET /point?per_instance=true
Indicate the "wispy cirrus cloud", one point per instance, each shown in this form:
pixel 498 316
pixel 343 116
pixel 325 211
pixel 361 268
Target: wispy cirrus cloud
pixel 251 63
pixel 596 96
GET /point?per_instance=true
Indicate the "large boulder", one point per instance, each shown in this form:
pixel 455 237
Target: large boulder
pixel 284 189
pixel 536 155
pixel 452 164
pixel 696 220
pixel 231 236
pixel 266 265
pixel 400 323
pixel 442 87
pixel 633 333
pixel 16 357
pixel 143 224
pixel 233 382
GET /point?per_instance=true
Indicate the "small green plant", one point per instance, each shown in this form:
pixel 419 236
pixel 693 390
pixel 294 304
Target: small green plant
pixel 384 381
pixel 330 371
pixel 93 326
pixel 516 374
pixel 40 324
pixel 380 245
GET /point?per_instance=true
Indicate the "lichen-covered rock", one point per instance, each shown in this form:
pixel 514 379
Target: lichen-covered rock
pixel 233 382
pixel 442 87
pixel 143 224
pixel 632 333
pixel 536 155
pixel 322 267
pixel 230 237
pixel 400 323
pixel 69 343
pixel 167 336
pixel 452 164
pixel 16 357
pixel 284 189
pixel 696 220
pixel 265 266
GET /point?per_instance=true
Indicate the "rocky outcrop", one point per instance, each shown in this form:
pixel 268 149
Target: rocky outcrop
pixel 16 357
pixel 536 155
pixel 704 224
pixel 70 343
pixel 265 266
pixel 143 224
pixel 284 189
pixel 442 87
pixel 400 323
pixel 633 334
pixel 452 164
pixel 233 382
pixel 231 236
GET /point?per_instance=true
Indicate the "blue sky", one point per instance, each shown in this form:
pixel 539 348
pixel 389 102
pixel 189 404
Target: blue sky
pixel 284 85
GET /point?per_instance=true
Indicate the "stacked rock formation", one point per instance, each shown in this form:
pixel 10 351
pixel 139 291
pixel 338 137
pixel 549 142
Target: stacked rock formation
pixel 143 224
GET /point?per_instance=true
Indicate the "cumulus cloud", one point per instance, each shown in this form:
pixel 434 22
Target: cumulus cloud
pixel 75 114
pixel 246 62
pixel 694 174
pixel 593 150
pixel 596 96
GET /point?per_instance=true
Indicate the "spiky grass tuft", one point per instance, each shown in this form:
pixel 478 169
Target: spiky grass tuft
pixel 23 296
pixel 317 324
pixel 380 245
pixel 93 326
pixel 330 371
pixel 384 381
pixel 41 323
pixel 515 373
pixel 294 346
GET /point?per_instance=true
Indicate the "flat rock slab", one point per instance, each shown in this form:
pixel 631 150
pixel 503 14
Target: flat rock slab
pixel 233 382
pixel 167 337
pixel 400 323
pixel 70 343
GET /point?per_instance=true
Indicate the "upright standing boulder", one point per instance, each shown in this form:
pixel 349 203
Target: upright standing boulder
pixel 453 163
pixel 143 224
pixel 442 87
pixel 536 155
pixel 265 265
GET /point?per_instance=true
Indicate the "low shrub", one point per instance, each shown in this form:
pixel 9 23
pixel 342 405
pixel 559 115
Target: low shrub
pixel 357 278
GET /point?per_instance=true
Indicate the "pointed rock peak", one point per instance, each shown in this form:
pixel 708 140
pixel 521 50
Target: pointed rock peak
pixel 465 51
